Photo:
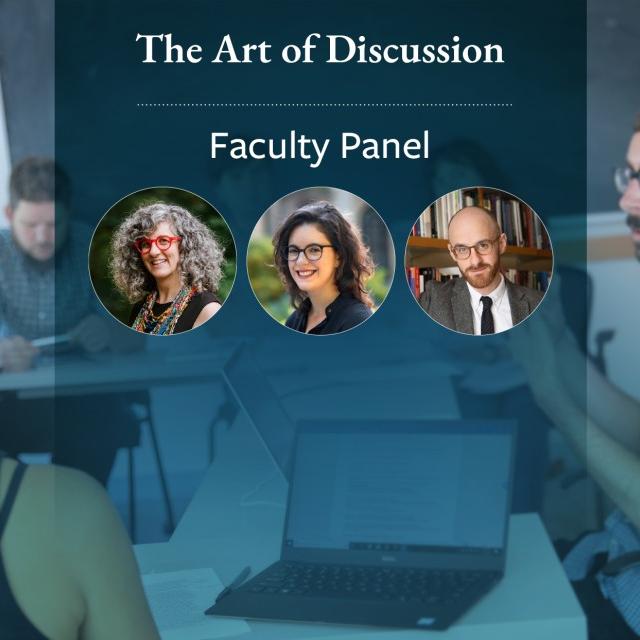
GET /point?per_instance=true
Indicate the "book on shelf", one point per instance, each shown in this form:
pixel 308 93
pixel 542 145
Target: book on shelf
pixel 418 277
pixel 525 233
pixel 434 220
pixel 516 220
pixel 532 279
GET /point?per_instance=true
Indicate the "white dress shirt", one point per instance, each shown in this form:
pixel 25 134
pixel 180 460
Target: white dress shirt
pixel 500 308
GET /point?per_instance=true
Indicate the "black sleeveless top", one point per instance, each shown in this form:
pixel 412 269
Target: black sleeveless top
pixel 14 625
pixel 188 316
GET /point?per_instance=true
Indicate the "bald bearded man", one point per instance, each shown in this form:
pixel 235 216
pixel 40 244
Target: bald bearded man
pixel 482 301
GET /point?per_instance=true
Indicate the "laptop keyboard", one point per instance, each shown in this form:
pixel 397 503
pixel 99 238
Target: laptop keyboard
pixel 395 584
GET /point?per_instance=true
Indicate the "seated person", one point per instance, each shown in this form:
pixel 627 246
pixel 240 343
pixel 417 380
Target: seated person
pixel 66 566
pixel 45 291
pixel 325 267
pixel 602 424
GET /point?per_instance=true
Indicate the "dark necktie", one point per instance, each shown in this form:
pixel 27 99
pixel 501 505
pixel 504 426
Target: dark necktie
pixel 486 322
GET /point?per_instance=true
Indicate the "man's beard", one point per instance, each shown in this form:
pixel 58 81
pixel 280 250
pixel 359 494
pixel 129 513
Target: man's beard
pixel 484 279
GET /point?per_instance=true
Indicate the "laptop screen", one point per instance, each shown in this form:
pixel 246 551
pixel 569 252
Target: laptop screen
pixel 413 487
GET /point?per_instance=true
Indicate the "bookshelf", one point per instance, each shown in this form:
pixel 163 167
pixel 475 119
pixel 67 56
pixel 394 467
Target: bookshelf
pixel 528 259
pixel 433 252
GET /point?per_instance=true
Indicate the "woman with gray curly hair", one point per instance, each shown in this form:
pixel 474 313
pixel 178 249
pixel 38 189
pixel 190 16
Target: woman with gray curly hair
pixel 168 264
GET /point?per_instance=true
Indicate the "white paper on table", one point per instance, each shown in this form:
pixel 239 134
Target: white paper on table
pixel 178 600
pixel 50 341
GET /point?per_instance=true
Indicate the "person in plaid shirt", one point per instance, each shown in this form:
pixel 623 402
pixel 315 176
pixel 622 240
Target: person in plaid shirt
pixel 45 291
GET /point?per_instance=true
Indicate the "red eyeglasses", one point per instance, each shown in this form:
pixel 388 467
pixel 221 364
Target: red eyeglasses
pixel 143 245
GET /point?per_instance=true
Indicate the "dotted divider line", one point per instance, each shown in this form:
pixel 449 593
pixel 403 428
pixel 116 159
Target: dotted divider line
pixel 324 104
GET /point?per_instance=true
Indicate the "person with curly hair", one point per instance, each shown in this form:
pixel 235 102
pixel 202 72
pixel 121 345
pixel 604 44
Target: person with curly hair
pixel 325 266
pixel 168 264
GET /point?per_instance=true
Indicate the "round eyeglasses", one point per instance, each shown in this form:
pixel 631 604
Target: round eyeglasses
pixel 623 176
pixel 143 245
pixel 312 252
pixel 482 248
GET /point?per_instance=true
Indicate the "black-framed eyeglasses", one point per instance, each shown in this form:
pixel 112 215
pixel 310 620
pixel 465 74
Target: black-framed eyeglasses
pixel 312 252
pixel 482 248
pixel 623 176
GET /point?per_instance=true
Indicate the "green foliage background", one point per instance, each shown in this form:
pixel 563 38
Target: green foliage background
pixel 99 252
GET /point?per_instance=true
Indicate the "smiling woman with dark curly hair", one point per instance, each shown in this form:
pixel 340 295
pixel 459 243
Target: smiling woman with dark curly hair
pixel 168 264
pixel 325 266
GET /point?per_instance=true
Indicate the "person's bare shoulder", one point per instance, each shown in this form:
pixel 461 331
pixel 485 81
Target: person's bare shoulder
pixel 207 313
pixel 72 503
pixel 98 553
pixel 83 513
pixel 73 489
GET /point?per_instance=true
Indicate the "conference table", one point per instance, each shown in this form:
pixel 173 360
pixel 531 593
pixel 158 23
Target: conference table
pixel 236 517
pixel 84 374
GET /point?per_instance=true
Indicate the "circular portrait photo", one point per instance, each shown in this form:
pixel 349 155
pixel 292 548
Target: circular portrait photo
pixel 479 260
pixel 320 261
pixel 162 261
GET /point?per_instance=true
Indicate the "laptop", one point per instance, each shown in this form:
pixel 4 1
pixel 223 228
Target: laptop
pixel 254 395
pixel 394 524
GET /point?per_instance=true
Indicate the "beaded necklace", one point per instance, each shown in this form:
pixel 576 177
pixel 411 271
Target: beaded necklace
pixel 165 323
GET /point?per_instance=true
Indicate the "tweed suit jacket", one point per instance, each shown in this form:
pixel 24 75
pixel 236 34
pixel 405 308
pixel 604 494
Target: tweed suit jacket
pixel 449 303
